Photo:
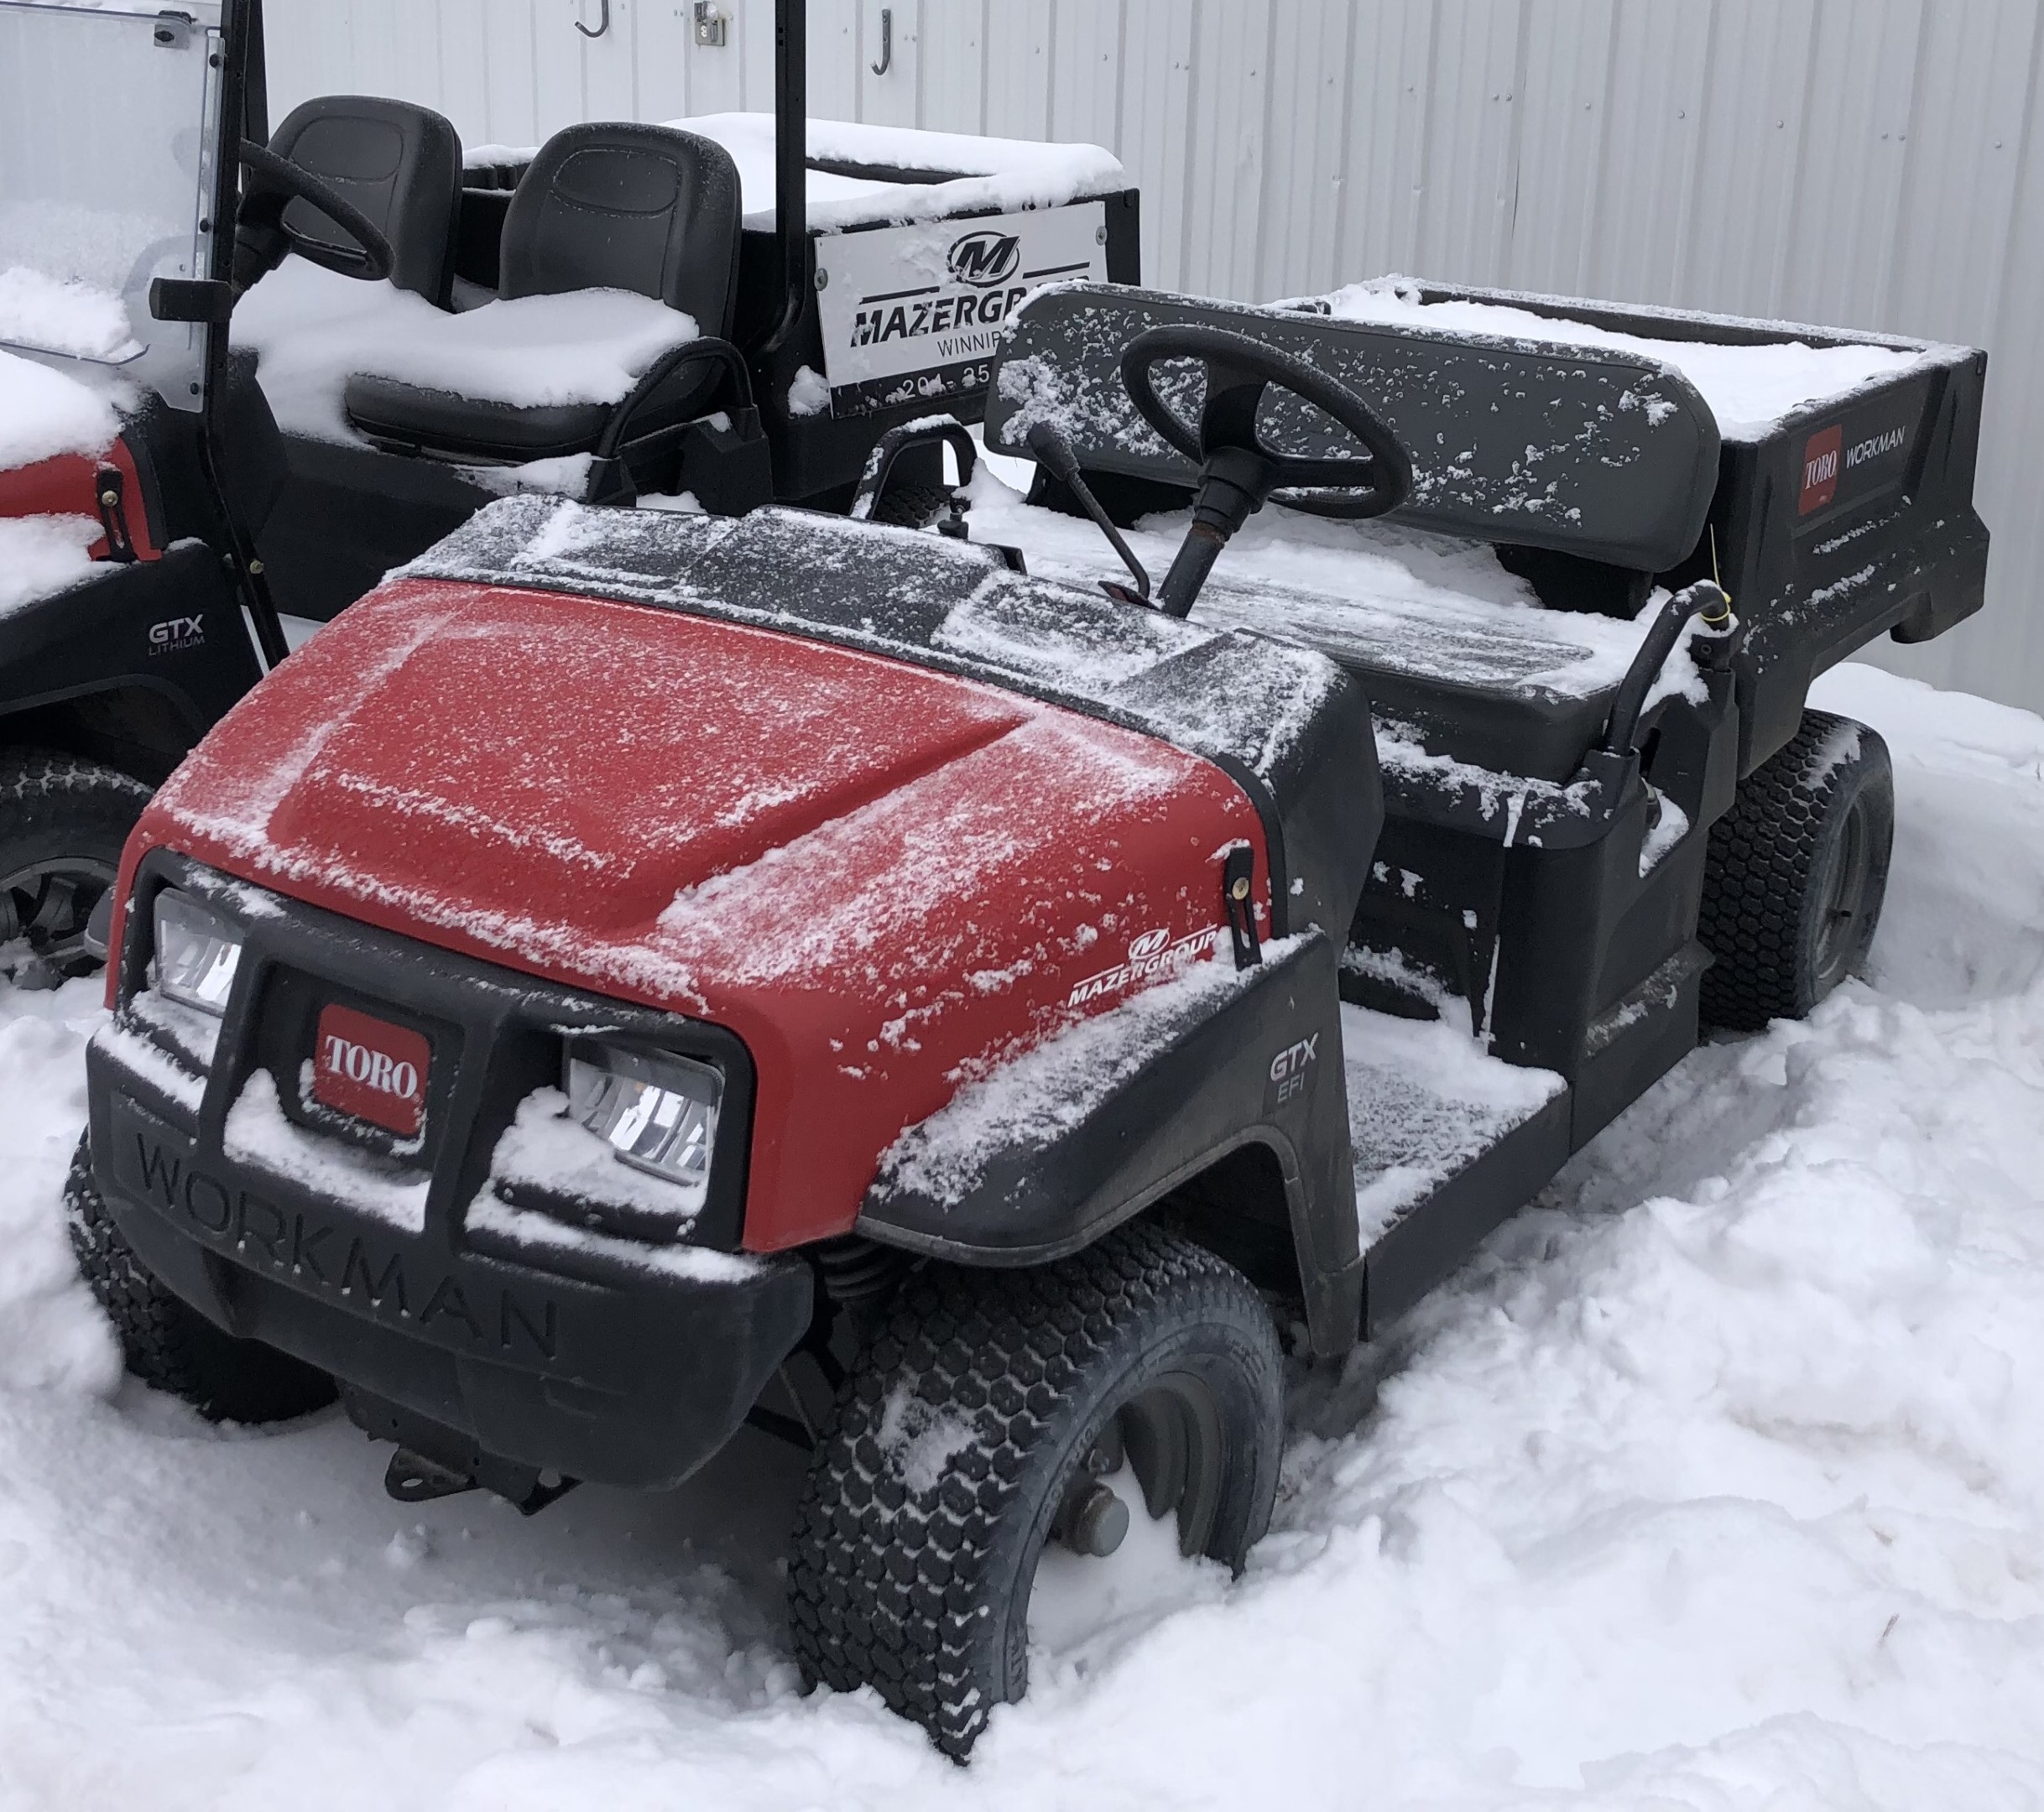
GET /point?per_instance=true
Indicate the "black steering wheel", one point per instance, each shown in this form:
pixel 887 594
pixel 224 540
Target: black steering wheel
pixel 1240 370
pixel 275 182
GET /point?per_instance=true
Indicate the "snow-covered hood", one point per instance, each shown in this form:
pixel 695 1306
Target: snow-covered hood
pixel 880 876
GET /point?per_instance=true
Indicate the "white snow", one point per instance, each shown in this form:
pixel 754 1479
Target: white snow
pixel 1717 1482
pixel 314 330
pixel 543 1149
pixel 966 174
pixel 45 412
pixel 1749 389
pixel 259 1134
pixel 42 555
pixel 1399 597
pixel 1423 1100
pixel 60 314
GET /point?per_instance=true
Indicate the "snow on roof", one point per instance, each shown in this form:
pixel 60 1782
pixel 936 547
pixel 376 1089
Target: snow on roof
pixel 956 173
pixel 1749 389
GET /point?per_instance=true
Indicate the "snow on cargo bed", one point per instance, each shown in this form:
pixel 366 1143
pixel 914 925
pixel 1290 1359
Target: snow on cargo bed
pixel 1749 387
pixel 939 173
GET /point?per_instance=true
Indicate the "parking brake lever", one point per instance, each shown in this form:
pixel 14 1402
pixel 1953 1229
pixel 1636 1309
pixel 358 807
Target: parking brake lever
pixel 1053 452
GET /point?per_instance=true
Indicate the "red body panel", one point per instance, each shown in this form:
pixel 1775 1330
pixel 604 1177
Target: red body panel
pixel 69 486
pixel 881 878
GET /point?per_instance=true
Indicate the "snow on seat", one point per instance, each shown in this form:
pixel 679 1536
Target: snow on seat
pixel 316 332
pixel 620 244
pixel 1458 658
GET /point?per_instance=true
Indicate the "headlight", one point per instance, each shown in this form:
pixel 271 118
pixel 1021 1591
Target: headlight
pixel 657 1112
pixel 197 953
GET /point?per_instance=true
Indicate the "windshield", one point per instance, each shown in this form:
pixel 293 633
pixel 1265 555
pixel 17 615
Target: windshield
pixel 108 131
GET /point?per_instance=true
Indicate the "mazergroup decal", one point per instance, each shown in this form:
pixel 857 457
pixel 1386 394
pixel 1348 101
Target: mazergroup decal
pixel 1153 954
pixel 915 313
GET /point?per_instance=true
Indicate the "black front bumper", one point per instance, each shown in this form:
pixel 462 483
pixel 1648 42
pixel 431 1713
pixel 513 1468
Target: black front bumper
pixel 602 1366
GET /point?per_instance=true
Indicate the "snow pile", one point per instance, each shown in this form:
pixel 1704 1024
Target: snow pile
pixel 45 412
pixel 60 315
pixel 961 174
pixel 315 330
pixel 1749 389
pixel 42 555
pixel 1716 1482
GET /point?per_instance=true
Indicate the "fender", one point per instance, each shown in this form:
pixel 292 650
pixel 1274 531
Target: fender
pixel 1264 1067
pixel 171 627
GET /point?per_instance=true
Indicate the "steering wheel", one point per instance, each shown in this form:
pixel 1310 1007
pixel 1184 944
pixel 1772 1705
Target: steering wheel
pixel 276 182
pixel 1239 370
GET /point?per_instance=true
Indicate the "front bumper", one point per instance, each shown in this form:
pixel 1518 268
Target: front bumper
pixel 603 1364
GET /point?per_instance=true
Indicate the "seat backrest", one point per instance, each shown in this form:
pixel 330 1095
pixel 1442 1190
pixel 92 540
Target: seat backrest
pixel 642 208
pixel 400 164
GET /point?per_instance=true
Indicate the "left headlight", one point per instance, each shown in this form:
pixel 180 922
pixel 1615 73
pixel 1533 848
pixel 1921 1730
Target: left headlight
pixel 656 1112
pixel 197 952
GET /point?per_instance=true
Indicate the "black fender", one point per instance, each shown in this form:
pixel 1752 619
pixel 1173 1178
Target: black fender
pixel 171 628
pixel 1259 1062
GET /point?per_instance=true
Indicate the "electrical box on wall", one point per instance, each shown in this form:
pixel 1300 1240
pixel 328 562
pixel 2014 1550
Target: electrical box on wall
pixel 710 26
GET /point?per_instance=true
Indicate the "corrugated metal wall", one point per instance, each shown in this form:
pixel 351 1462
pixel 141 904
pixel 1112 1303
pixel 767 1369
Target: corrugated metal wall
pixel 1871 162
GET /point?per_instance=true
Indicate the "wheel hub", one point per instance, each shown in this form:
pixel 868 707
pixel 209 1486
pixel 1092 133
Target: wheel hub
pixel 45 908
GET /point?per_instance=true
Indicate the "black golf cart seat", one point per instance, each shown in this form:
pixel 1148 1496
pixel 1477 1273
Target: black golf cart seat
pixel 645 209
pixel 400 164
pixel 1593 470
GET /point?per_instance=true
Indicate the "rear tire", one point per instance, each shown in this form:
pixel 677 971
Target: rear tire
pixel 62 824
pixel 968 1433
pixel 168 1344
pixel 1797 874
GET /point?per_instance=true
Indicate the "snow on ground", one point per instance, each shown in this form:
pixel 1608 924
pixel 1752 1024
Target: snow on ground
pixel 1716 1481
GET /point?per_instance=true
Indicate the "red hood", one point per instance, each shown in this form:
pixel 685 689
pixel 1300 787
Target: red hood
pixel 875 874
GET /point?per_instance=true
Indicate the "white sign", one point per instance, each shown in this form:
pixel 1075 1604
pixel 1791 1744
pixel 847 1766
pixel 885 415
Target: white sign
pixel 914 312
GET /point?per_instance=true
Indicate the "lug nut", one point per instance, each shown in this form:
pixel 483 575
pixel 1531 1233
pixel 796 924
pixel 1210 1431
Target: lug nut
pixel 1095 1522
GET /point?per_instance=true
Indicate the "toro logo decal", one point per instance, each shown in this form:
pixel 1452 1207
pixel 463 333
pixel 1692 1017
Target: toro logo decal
pixel 176 634
pixel 371 1069
pixel 1822 455
pixel 983 259
pixel 1153 954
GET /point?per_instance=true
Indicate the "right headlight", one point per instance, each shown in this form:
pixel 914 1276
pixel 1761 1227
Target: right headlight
pixel 197 952
pixel 656 1112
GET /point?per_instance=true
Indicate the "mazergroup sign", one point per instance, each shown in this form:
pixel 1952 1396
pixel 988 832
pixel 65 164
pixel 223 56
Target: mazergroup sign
pixel 915 312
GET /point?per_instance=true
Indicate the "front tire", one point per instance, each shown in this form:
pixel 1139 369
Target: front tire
pixel 167 1343
pixel 971 1431
pixel 62 824
pixel 1797 874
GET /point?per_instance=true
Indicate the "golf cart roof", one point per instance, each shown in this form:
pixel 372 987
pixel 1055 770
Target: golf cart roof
pixel 862 175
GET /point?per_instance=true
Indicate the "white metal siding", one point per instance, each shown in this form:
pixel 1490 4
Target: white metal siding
pixel 1871 162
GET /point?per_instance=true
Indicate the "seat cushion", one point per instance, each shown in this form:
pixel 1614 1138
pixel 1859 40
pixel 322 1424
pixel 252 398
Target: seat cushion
pixel 443 421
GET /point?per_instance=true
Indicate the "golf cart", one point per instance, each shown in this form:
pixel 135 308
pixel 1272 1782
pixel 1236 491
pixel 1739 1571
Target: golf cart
pixel 937 1012
pixel 244 373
